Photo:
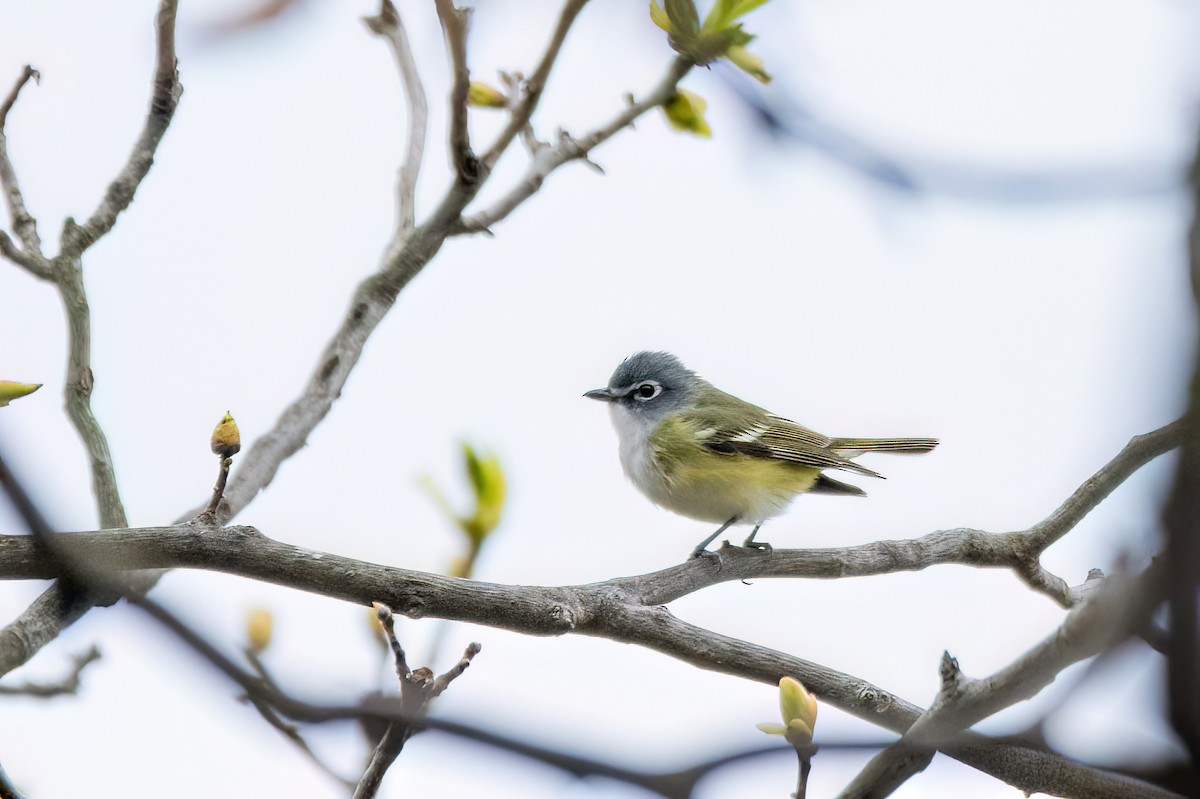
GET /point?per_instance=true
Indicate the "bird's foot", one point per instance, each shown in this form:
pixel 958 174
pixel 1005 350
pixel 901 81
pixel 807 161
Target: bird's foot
pixel 761 546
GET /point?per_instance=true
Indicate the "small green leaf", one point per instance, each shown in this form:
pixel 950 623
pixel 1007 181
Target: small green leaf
pixel 743 7
pixel 684 23
pixel 658 15
pixel 748 62
pixel 724 12
pixel 685 112
pixel 10 391
pixel 474 469
pixel 718 15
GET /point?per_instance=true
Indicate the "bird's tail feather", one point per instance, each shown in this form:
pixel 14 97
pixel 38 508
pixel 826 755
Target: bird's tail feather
pixel 910 446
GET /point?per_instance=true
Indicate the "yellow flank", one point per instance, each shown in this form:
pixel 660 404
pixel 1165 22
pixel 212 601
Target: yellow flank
pixel 736 470
pixel 716 487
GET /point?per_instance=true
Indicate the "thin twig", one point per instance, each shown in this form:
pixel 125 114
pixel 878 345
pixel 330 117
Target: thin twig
pixel 164 98
pixel 30 263
pixel 388 25
pixel 24 225
pixel 389 710
pixel 417 689
pixel 548 158
pixel 523 109
pixel 455 22
pixel 384 615
pixel 443 682
pixel 289 731
pixel 210 512
pixel 68 685
pixel 804 756
pixel 1138 452
pixel 1100 623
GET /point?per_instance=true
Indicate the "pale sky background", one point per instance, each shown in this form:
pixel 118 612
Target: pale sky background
pixel 1033 337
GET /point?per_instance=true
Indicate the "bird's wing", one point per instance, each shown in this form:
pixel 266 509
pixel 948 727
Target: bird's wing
pixel 774 437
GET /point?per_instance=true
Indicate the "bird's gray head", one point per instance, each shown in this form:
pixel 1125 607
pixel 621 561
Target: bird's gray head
pixel 648 384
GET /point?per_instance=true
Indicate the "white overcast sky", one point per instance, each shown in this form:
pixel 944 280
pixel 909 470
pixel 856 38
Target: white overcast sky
pixel 1033 336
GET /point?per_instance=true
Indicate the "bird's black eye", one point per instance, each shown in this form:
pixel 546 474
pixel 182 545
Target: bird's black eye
pixel 647 391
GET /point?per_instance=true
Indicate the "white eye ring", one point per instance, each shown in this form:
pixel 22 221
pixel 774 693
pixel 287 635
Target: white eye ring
pixel 646 391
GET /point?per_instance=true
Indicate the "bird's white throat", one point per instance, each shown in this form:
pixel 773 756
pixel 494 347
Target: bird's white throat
pixel 637 455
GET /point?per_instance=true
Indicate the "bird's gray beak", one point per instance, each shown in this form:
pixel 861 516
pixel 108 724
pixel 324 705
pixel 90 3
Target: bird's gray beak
pixel 604 394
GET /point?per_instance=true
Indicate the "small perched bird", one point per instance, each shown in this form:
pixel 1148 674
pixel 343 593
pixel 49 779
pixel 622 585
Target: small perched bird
pixel 707 455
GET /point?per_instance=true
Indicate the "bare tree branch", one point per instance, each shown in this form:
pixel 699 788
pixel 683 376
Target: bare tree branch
pixel 7 789
pixel 68 685
pixel 547 159
pixel 1094 626
pixel 78 389
pixel 1031 769
pixel 524 107
pixel 417 689
pixel 623 610
pixel 390 710
pixel 61 605
pixel 164 98
pixel 454 28
pixel 30 263
pixel 615 610
pixel 290 731
pixel 24 225
pixel 1019 551
pixel 387 24
pixel 1181 519
pixel 371 302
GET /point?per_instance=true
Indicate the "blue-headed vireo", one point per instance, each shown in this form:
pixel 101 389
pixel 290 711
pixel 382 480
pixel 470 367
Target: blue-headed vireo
pixel 707 455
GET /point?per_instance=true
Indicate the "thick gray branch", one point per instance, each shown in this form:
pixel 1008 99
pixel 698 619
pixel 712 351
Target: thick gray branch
pixel 1182 522
pixel 57 608
pixel 614 609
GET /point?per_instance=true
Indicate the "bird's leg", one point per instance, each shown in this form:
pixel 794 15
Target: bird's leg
pixel 699 550
pixel 750 543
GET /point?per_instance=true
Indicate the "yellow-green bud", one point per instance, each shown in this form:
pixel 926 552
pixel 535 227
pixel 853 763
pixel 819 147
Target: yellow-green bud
pixel 685 112
pixel 482 95
pixel 259 624
pixel 799 711
pixel 226 440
